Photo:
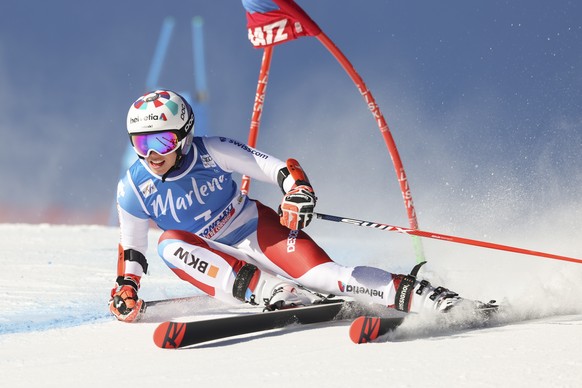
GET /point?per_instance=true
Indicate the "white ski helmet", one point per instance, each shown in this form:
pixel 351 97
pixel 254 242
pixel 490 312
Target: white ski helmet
pixel 161 112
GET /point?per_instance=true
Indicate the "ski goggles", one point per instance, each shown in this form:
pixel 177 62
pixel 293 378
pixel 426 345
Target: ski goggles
pixel 162 143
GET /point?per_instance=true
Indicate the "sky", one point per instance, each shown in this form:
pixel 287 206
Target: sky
pixel 483 100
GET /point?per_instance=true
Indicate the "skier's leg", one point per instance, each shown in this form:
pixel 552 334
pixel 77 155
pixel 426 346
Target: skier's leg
pixel 374 285
pixel 223 272
pixel 295 255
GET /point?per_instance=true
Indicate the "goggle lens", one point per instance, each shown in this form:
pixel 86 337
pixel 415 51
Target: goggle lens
pixel 162 143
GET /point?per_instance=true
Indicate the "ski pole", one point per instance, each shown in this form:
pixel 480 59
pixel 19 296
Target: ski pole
pixel 443 237
pixel 162 302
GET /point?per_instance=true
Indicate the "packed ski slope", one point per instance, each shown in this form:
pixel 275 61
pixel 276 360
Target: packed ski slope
pixel 55 330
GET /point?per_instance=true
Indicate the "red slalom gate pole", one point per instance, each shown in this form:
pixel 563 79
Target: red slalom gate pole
pixel 290 12
pixel 258 108
pixel 443 237
pixel 384 130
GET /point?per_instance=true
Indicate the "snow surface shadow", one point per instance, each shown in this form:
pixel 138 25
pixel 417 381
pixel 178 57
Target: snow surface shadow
pixel 52 317
pixel 49 321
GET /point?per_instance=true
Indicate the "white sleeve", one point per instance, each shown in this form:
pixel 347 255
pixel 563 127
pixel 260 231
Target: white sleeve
pixel 134 235
pixel 234 156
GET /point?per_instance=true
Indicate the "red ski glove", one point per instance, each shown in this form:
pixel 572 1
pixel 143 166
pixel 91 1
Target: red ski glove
pixel 124 303
pixel 296 210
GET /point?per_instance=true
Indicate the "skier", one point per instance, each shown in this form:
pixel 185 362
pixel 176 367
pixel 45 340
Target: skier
pixel 226 244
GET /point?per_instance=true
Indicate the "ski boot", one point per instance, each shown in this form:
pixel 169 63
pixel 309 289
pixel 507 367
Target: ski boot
pixel 287 296
pixel 256 287
pixel 417 296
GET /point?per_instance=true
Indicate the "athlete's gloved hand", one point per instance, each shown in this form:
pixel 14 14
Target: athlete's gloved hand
pixel 124 303
pixel 296 210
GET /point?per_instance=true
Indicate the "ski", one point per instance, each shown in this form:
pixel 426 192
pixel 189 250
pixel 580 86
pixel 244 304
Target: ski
pixel 171 335
pixel 366 329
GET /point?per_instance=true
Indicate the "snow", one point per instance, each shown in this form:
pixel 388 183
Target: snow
pixel 55 329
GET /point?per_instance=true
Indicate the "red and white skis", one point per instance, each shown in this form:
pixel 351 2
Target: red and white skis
pixel 171 335
pixel 369 323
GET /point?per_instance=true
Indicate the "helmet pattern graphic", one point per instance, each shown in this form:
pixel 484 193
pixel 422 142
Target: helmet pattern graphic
pixel 158 99
pixel 160 110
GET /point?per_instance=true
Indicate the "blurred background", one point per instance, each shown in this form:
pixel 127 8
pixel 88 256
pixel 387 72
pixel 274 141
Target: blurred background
pixel 483 99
